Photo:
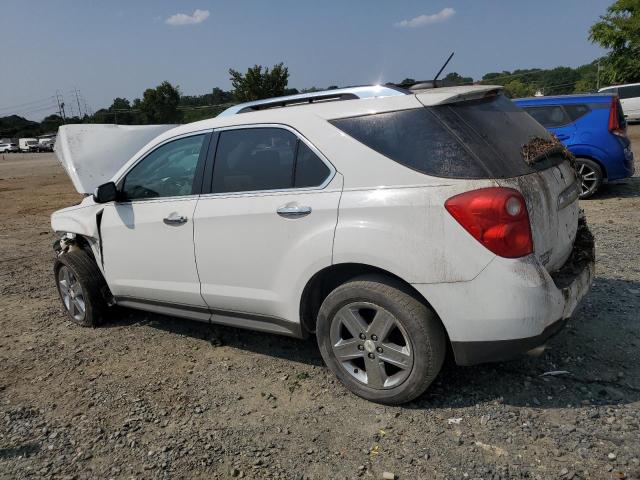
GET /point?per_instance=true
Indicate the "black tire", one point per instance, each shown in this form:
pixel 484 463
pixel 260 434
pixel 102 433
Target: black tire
pixel 593 177
pixel 83 267
pixel 418 325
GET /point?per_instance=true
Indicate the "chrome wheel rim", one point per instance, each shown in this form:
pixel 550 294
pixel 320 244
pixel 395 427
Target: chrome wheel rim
pixel 371 345
pixel 588 179
pixel 71 293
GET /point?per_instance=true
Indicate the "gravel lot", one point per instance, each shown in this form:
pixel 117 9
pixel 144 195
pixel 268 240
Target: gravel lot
pixel 148 396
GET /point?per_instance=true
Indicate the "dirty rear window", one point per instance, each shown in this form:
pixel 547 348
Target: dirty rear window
pixel 474 139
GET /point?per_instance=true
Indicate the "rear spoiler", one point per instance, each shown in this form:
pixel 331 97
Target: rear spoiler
pixel 442 96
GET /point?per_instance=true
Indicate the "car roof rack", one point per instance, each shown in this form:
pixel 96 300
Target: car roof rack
pixel 348 93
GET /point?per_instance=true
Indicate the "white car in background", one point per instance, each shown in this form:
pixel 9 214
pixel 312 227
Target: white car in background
pixel 391 224
pixel 9 148
pixel 629 99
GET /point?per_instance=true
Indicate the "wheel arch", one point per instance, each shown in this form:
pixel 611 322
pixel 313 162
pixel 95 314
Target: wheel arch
pixel 332 276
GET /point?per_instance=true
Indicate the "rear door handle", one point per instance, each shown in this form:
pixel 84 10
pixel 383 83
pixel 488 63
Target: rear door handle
pixel 293 211
pixel 175 219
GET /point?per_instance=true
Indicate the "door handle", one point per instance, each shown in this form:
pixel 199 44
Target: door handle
pixel 175 220
pixel 293 211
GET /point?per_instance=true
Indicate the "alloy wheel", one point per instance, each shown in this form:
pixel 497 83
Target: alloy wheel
pixel 588 179
pixel 371 345
pixel 71 293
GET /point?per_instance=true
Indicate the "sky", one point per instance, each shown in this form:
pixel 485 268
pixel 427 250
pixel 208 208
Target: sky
pixel 121 47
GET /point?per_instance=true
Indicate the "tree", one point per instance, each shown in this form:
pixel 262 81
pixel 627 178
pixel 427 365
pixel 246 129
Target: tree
pixel 160 104
pixel 51 123
pixel 517 89
pixel 121 112
pixel 455 78
pixel 219 96
pixel 619 31
pixel 256 85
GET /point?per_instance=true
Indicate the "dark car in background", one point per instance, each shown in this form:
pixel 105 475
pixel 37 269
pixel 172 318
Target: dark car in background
pixel 593 128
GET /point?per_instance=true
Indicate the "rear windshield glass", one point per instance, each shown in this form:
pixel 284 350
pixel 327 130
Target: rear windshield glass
pixel 474 139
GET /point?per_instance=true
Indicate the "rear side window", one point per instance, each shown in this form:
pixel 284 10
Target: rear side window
pixel 474 139
pixel 310 170
pixel 631 91
pixel 256 159
pixel 414 138
pixel 576 111
pixel 550 116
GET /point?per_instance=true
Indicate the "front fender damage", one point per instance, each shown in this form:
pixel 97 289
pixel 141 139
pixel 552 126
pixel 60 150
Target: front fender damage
pixel 78 227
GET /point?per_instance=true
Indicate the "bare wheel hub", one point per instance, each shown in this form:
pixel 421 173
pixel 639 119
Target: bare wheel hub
pixel 369 346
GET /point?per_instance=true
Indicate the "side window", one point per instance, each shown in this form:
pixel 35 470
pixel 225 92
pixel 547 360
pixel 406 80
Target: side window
pixel 631 91
pixel 576 111
pixel 168 171
pixel 255 159
pixel 551 116
pixel 310 170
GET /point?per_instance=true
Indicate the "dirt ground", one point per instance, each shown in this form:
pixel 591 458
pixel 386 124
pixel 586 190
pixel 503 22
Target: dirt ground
pixel 148 396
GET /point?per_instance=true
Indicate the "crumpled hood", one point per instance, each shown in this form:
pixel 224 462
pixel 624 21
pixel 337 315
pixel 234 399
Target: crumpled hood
pixel 91 154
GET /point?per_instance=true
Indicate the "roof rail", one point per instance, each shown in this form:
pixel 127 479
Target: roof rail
pixel 349 93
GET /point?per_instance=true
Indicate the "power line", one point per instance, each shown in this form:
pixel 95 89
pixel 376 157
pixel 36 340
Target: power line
pixel 22 106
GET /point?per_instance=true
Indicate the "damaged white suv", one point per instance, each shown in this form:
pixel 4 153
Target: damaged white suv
pixel 392 224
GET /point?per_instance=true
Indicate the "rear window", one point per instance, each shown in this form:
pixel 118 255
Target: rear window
pixel 475 139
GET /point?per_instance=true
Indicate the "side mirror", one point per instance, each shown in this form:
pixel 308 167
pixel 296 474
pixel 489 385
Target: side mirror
pixel 107 192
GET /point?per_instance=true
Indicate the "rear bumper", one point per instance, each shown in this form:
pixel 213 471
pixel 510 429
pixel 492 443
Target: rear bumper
pixel 512 306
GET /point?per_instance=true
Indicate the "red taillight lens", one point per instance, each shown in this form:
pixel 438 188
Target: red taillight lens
pixel 614 119
pixel 496 217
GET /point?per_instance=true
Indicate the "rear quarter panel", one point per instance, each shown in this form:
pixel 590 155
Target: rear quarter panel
pixel 408 232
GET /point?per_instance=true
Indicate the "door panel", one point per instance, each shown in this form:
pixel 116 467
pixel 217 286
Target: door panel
pixel 147 257
pixel 253 259
pixel 147 236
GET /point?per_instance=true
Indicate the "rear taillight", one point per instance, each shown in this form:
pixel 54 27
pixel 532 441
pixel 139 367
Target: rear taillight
pixel 496 217
pixel 614 119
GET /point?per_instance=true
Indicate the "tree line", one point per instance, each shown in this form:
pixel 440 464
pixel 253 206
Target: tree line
pixel 618 30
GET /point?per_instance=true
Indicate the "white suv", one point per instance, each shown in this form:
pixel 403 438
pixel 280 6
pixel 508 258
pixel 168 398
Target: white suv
pixel 392 224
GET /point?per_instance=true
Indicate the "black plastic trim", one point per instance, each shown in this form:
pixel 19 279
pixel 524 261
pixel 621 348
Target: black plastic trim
pixel 198 178
pixel 207 183
pixel 264 322
pixel 473 353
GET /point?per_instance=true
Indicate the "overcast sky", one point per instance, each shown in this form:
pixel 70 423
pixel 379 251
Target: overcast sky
pixel 120 47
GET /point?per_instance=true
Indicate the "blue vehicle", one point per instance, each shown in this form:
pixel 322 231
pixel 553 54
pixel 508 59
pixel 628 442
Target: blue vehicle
pixel 593 128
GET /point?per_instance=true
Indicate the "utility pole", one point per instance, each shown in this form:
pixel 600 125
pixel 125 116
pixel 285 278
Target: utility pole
pixel 598 77
pixel 60 107
pixel 78 101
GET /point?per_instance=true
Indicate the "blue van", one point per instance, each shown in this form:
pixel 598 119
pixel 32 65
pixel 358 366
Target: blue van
pixel 593 128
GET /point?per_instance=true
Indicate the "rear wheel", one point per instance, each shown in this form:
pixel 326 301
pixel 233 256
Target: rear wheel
pixel 80 285
pixel 590 175
pixel 379 340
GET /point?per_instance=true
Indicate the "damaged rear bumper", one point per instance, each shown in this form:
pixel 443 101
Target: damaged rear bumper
pixel 513 307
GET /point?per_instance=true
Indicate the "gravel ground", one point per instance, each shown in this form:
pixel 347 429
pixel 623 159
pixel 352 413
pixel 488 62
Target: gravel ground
pixel 148 396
